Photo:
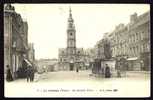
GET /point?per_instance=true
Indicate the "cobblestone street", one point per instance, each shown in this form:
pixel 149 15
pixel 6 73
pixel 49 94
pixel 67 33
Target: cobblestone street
pixel 77 50
pixel 62 83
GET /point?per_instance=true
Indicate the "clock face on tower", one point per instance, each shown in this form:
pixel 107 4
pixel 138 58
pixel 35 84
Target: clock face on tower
pixel 71 34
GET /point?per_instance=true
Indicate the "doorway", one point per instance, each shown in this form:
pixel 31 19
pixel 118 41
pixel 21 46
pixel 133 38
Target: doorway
pixel 71 66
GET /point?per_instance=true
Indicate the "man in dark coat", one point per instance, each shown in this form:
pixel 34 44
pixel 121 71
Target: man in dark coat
pixel 107 72
pixel 77 69
pixel 28 72
pixel 8 74
pixel 32 72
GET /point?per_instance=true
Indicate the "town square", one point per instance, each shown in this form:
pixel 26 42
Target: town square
pixel 77 50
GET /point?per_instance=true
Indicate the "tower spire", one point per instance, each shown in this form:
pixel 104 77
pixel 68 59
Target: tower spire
pixel 70 19
pixel 71 37
pixel 70 14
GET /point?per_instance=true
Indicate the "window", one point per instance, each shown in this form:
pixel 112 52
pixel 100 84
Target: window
pixel 140 36
pixel 136 51
pixel 143 36
pixel 71 43
pixel 71 34
pixel 142 48
pixel 71 51
pixel 136 36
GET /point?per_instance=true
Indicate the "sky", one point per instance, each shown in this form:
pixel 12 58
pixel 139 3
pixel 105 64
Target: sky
pixel 47 23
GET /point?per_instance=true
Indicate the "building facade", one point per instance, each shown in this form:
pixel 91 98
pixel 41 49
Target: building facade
pixel 139 41
pixel 15 39
pixel 46 65
pixel 31 52
pixel 71 57
pixel 130 44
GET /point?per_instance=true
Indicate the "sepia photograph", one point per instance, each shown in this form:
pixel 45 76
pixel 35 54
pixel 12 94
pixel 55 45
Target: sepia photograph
pixel 77 50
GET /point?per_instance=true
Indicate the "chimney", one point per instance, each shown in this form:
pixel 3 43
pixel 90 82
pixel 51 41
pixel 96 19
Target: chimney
pixel 133 18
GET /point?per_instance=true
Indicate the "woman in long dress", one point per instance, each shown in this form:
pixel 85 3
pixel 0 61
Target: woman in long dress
pixel 8 74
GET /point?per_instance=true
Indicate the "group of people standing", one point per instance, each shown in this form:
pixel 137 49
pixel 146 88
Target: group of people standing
pixel 30 73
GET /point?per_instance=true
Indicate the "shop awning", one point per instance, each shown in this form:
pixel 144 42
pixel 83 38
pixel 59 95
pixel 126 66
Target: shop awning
pixel 27 62
pixel 134 58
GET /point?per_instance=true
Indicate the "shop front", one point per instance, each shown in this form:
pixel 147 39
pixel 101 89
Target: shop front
pixel 134 64
pixel 145 61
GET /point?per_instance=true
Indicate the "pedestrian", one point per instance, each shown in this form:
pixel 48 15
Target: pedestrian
pixel 32 74
pixel 118 73
pixel 107 72
pixel 77 69
pixel 8 74
pixel 28 73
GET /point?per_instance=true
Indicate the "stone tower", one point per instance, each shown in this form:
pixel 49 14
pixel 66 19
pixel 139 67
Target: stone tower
pixel 71 57
pixel 71 40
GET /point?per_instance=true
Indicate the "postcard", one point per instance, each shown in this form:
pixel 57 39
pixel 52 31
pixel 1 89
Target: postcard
pixel 77 50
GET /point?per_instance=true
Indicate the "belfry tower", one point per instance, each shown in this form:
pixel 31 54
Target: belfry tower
pixel 71 40
pixel 71 58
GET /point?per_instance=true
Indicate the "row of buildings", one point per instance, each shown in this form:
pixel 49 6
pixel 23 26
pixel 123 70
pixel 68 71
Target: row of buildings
pixel 128 45
pixel 17 50
pixel 47 65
